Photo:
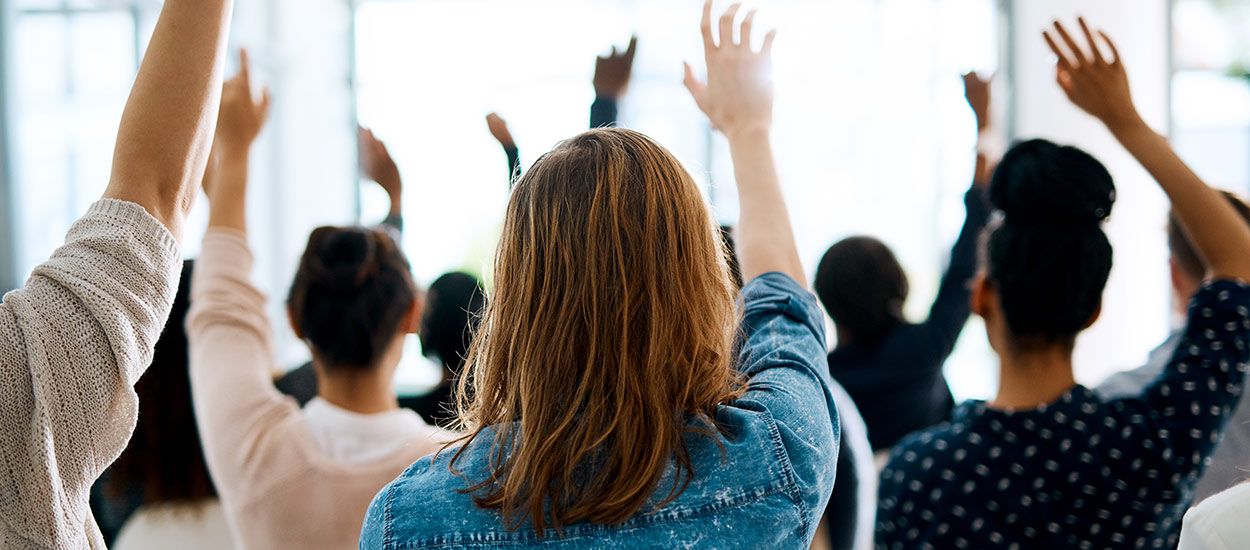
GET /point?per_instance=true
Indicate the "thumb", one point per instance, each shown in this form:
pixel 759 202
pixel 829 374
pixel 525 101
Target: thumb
pixel 692 82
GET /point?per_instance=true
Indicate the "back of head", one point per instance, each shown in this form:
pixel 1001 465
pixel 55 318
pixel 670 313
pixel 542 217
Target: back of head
pixel 350 296
pixel 1048 257
pixel 164 461
pixel 453 304
pixel 610 327
pixel 1182 249
pixel 863 288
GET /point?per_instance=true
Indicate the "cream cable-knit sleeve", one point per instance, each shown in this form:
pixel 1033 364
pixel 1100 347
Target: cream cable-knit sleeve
pixel 73 342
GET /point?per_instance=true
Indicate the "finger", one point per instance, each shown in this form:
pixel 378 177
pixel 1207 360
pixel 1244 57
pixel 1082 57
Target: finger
pixel 632 48
pixel 744 32
pixel 706 28
pixel 1078 54
pixel 767 48
pixel 727 25
pixel 613 54
pixel 265 102
pixel 245 66
pixel 1111 45
pixel 1095 51
pixel 1062 61
pixel 693 84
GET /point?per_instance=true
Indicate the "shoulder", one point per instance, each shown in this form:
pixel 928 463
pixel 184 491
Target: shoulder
pixel 1219 522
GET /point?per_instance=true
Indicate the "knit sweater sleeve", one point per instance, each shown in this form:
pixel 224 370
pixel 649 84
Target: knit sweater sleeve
pixel 73 341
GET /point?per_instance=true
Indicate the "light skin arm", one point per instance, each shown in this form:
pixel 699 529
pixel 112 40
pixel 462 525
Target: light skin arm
pixel 977 92
pixel 1094 79
pixel 377 164
pixel 738 100
pixel 167 126
pixel 242 117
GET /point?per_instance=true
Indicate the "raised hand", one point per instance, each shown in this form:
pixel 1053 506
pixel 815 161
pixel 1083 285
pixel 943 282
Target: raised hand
pixel 977 92
pixel 1093 80
pixel 242 114
pixel 499 129
pixel 377 164
pixel 738 96
pixel 612 72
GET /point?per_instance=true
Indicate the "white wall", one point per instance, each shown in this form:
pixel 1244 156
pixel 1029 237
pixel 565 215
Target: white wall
pixel 1137 303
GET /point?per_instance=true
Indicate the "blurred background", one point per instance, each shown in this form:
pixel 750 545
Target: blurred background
pixel 872 132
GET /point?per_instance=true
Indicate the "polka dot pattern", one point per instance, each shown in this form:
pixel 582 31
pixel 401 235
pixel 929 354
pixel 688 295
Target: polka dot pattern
pixel 1083 471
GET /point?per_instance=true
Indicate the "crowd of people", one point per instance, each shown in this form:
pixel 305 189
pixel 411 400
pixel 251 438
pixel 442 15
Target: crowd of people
pixel 637 376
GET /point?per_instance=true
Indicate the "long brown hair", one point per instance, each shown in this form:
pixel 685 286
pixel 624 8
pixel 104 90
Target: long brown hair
pixel 608 337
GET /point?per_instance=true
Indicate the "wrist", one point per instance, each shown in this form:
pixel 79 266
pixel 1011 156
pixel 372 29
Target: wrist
pixel 753 134
pixel 1126 124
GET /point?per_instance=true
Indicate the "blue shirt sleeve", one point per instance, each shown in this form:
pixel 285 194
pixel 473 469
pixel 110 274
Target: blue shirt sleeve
pixel 782 355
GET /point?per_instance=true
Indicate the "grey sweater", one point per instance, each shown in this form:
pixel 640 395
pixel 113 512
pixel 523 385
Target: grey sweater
pixel 73 342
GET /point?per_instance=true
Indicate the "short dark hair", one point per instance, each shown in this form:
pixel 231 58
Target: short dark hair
pixel 350 294
pixel 1048 256
pixel 164 460
pixel 453 305
pixel 1182 248
pixel 863 288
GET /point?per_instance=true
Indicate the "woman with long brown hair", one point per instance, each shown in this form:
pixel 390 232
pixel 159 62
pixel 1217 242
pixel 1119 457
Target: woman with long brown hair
pixel 618 396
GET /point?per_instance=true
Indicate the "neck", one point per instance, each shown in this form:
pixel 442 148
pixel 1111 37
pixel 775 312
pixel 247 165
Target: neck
pixel 362 392
pixel 1030 379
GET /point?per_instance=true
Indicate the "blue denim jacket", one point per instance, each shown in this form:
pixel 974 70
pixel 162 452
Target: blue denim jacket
pixel 767 488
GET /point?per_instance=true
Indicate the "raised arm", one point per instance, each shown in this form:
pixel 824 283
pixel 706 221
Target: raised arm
pixel 738 100
pixel 377 164
pixel 499 130
pixel 611 80
pixel 951 308
pixel 1095 81
pixel 167 127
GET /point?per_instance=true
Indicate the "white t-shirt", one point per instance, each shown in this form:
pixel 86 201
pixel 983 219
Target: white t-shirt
pixel 1221 522
pixel 181 526
pixel 353 438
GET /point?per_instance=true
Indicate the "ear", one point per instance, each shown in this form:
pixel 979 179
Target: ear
pixel 412 319
pixel 981 296
pixel 1093 318
pixel 290 318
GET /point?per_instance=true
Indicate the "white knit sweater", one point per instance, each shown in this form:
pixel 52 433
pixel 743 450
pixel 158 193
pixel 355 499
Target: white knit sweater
pixel 73 342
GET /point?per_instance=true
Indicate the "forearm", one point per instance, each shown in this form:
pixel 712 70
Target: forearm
pixel 228 201
pixel 1218 233
pixel 167 126
pixel 765 237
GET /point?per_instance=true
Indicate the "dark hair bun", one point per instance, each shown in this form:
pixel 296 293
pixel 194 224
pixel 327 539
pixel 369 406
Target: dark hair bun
pixel 1040 182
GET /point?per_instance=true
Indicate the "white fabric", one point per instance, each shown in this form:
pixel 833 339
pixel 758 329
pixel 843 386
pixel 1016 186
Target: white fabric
pixel 1221 522
pixel 200 526
pixel 73 341
pixel 353 438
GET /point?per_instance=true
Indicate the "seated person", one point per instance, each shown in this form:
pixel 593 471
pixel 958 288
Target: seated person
pixel 1049 463
pixel 292 478
pixel 453 304
pixel 620 395
pixel 892 368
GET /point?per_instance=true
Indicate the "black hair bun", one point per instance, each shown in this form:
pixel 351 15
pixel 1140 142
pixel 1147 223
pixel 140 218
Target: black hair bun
pixel 1039 182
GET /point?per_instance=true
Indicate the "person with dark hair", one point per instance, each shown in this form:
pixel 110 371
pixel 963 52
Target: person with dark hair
pixel 376 165
pixel 1049 463
pixel 453 304
pixel 1230 464
pixel 78 335
pixel 893 368
pixel 292 478
pixel 164 463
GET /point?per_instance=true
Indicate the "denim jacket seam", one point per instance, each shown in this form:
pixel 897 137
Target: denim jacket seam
pixel 790 478
pixel 388 519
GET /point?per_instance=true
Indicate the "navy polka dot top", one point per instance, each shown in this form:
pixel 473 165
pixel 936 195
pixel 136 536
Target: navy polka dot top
pixel 1083 471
